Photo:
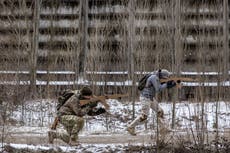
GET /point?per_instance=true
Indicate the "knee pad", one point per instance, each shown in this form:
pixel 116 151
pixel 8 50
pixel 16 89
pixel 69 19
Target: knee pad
pixel 143 118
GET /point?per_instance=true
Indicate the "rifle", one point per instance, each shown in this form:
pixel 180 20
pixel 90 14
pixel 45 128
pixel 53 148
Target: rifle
pixel 178 80
pixel 100 99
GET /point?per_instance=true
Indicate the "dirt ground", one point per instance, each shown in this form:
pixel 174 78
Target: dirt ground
pixel 116 138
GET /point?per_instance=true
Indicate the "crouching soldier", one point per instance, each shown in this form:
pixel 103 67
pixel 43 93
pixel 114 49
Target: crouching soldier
pixel 71 114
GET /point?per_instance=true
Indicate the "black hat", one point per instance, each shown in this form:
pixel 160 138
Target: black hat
pixel 86 91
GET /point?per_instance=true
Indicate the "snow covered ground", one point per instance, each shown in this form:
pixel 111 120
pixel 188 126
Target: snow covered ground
pixel 42 112
pixel 35 117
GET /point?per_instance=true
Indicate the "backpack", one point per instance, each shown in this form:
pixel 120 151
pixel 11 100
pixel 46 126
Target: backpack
pixel 142 82
pixel 63 97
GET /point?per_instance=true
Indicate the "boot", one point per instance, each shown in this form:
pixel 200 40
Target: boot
pixel 51 135
pixel 131 131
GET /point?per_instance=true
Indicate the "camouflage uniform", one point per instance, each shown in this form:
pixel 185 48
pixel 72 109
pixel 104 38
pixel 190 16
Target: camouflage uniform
pixel 71 117
pixel 73 125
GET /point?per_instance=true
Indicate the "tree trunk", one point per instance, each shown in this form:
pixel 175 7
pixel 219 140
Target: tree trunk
pixel 83 27
pixel 34 49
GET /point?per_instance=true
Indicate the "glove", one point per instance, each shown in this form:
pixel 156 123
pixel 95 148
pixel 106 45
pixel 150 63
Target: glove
pixel 171 84
pixel 92 104
pixel 96 112
pixel 100 111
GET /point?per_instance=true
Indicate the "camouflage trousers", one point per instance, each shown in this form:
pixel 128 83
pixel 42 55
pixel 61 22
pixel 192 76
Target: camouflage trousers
pixel 73 125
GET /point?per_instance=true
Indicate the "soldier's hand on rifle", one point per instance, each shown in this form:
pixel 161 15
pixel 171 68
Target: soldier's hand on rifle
pixel 96 99
pixel 102 101
pixel 92 104
pixel 93 98
pixel 171 84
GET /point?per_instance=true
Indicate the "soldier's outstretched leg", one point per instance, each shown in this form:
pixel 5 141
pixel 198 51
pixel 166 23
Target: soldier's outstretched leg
pixel 139 120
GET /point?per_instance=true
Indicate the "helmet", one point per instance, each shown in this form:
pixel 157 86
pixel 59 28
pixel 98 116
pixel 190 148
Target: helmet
pixel 163 73
pixel 86 91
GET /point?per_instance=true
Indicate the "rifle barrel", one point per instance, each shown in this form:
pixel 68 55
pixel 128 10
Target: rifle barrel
pixel 176 79
pixel 102 98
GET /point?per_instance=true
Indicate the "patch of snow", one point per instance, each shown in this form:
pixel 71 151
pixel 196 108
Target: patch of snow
pixel 42 112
